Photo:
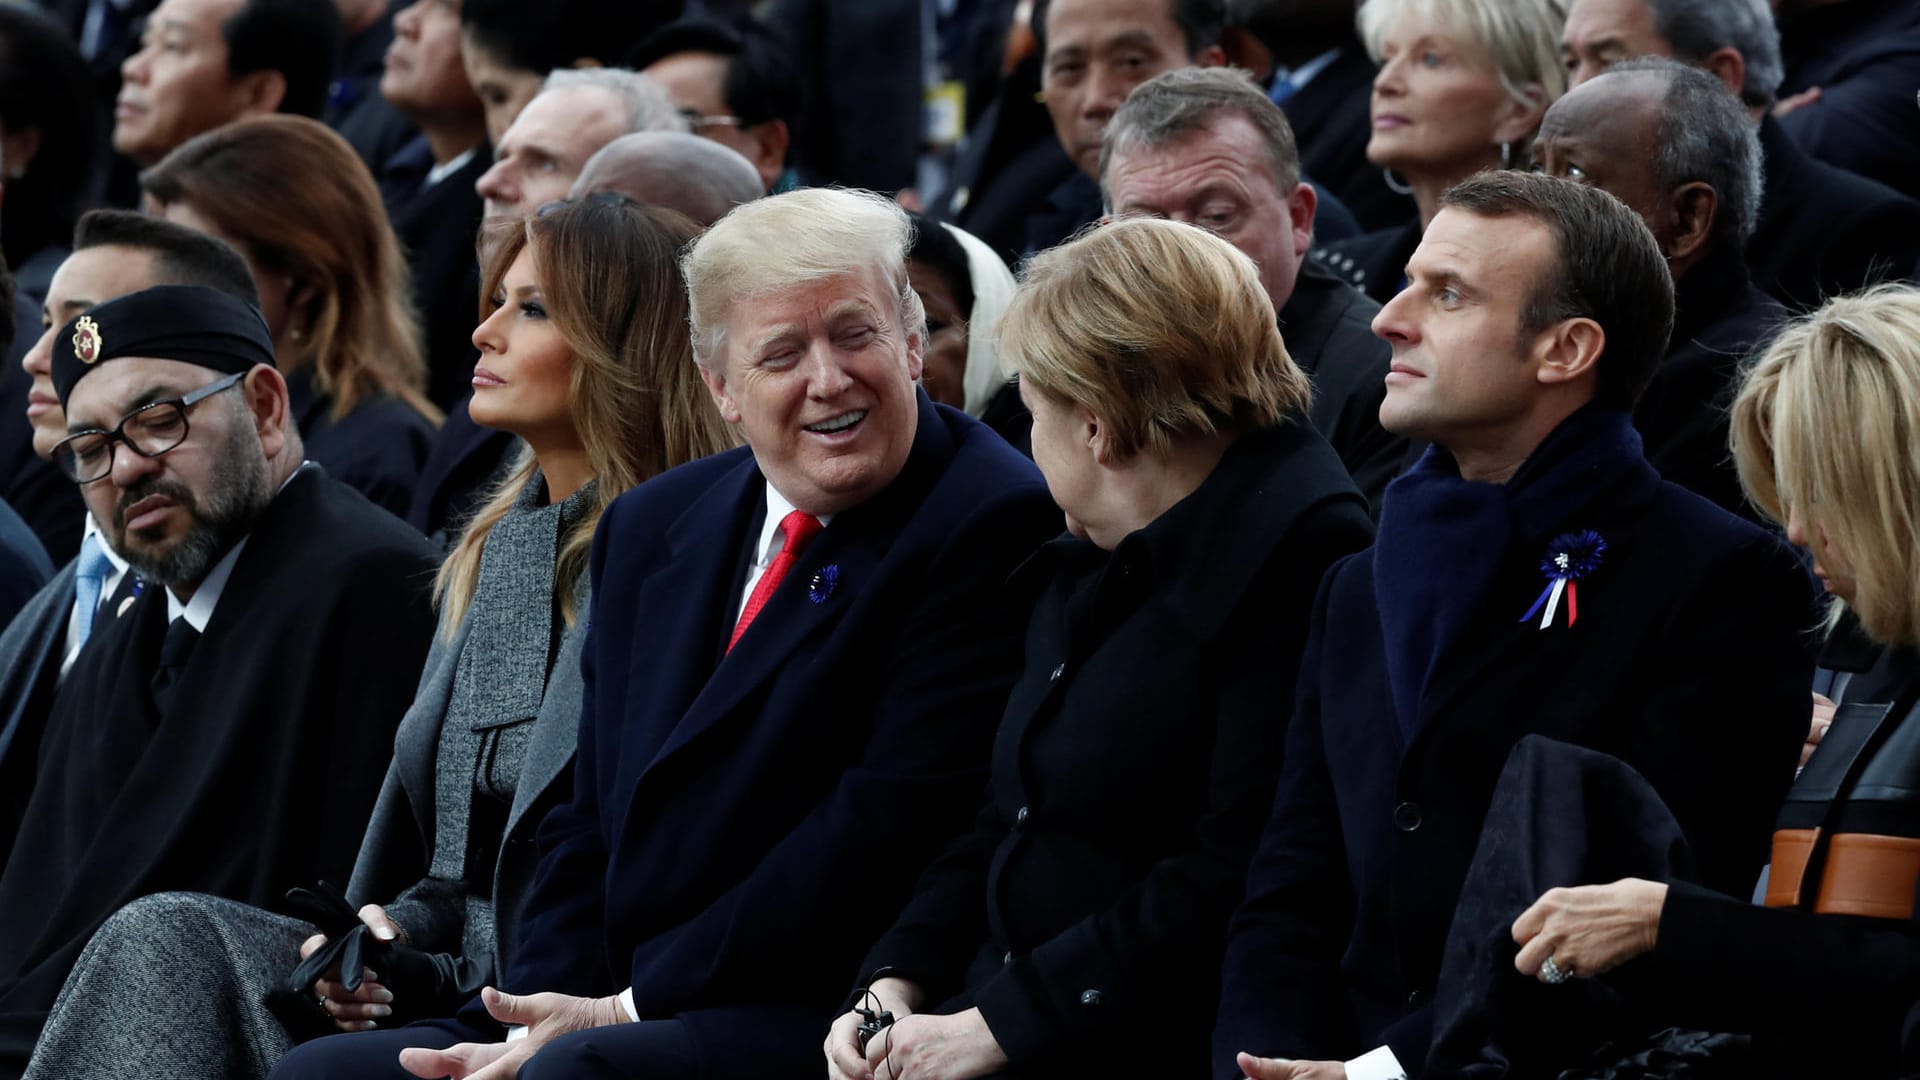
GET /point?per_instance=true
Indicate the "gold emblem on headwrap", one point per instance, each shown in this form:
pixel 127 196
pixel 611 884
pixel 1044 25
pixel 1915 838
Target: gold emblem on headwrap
pixel 86 340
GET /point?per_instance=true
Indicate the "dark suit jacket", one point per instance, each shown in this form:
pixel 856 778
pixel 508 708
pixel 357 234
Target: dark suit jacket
pixel 1864 55
pixel 1376 263
pixel 378 449
pixel 24 567
pixel 862 120
pixel 1328 328
pixel 1824 231
pixel 1720 320
pixel 463 459
pixel 437 227
pixel 1092 895
pixel 742 822
pixel 1331 125
pixel 1688 662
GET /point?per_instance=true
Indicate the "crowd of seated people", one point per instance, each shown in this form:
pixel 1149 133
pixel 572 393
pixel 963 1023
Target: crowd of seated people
pixel 921 540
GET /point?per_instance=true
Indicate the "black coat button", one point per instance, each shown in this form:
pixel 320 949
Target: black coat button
pixel 1406 816
pixel 1020 818
pixel 1089 997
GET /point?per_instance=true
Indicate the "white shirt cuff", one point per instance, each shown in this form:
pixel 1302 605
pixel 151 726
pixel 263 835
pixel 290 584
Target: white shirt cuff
pixel 626 1002
pixel 1376 1064
pixel 516 1032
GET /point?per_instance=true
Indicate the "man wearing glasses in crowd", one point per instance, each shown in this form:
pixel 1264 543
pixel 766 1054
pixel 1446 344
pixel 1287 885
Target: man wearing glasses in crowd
pixel 224 728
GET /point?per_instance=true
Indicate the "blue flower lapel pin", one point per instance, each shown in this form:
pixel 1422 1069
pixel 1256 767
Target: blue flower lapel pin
pixel 824 582
pixel 1570 557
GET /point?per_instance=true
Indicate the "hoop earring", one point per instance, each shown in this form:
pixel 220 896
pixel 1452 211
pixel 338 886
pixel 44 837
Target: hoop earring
pixel 1395 184
pixel 1506 155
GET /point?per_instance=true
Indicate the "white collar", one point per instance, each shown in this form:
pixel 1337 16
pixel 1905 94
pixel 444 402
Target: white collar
pixel 778 507
pixel 448 168
pixel 199 610
pixel 1304 74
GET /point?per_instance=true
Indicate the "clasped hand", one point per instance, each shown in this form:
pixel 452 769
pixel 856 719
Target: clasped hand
pixel 918 1046
pixel 545 1016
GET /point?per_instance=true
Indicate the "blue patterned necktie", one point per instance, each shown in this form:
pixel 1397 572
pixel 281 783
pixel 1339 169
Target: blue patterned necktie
pixel 89 577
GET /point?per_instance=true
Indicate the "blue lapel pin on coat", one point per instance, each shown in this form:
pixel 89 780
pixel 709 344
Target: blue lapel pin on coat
pixel 823 583
pixel 1570 557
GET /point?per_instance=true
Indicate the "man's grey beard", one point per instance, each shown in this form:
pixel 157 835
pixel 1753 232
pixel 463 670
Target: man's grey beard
pixel 239 493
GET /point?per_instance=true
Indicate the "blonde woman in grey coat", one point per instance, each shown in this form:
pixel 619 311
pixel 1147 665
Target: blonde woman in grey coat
pixel 585 356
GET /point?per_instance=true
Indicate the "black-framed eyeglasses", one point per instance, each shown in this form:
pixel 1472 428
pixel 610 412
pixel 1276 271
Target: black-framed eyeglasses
pixel 150 431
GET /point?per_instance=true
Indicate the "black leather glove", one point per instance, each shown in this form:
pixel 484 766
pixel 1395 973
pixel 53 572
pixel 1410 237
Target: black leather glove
pixel 424 985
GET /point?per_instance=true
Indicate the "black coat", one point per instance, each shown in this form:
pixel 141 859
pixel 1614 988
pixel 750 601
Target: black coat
pixel 1864 55
pixel 1688 662
pixel 1331 125
pixel 24 566
pixel 1824 231
pixel 1720 320
pixel 437 227
pixel 862 114
pixel 1824 995
pixel 378 449
pixel 1375 263
pixel 1091 897
pixel 1328 328
pixel 742 820
pixel 260 774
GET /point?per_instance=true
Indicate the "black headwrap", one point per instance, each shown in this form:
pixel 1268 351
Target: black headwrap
pixel 190 323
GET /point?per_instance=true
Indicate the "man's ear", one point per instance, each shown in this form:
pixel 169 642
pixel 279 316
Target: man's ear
pixel 1301 206
pixel 1211 56
pixel 1729 66
pixel 770 139
pixel 1569 351
pixel 717 386
pixel 265 390
pixel 1695 208
pixel 259 93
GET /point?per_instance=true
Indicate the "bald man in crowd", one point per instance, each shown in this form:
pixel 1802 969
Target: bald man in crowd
pixel 697 176
pixel 1672 142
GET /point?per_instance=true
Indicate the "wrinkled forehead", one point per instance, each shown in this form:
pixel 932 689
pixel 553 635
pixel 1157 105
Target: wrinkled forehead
pixel 126 383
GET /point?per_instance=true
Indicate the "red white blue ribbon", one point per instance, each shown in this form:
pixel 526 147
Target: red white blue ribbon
pixel 1570 557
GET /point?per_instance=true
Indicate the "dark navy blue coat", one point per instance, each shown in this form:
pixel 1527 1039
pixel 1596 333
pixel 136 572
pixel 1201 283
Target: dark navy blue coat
pixel 744 824
pixel 1690 661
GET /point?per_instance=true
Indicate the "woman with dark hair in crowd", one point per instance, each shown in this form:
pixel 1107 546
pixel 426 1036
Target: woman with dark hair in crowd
pixel 509 46
pixel 1461 88
pixel 964 287
pixel 297 202
pixel 48 140
pixel 1089 904
pixel 585 355
pixel 1826 435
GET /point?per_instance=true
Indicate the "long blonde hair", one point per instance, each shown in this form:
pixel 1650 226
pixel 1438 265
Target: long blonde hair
pixel 1826 428
pixel 296 198
pixel 609 271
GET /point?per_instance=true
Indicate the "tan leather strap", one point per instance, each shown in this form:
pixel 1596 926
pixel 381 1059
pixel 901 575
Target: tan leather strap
pixel 1864 874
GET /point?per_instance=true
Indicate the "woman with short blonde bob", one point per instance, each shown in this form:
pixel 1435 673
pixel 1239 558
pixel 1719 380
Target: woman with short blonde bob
pixel 1826 436
pixel 1135 762
pixel 297 203
pixel 585 356
pixel 1461 89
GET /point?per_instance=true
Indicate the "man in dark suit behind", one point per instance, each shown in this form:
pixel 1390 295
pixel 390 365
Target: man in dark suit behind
pixel 798 655
pixel 1205 146
pixel 1674 143
pixel 1822 230
pixel 1532 574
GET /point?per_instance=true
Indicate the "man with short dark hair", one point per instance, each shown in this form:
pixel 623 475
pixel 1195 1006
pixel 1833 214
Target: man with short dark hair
pixel 732 83
pixel 204 63
pixel 1205 146
pixel 1674 144
pixel 1821 230
pixel 115 252
pixel 215 733
pixel 1532 574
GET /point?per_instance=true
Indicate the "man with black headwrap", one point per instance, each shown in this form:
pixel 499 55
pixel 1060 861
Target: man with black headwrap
pixel 227 729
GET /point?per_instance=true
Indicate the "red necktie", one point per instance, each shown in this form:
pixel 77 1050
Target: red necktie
pixel 799 528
